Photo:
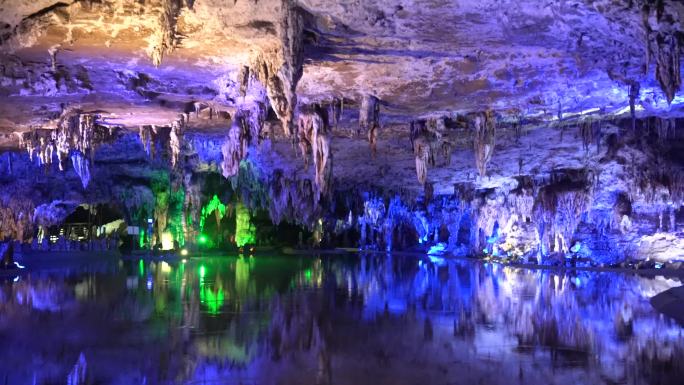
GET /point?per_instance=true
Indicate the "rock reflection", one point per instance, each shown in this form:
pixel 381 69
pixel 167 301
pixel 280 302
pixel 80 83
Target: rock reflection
pixel 337 320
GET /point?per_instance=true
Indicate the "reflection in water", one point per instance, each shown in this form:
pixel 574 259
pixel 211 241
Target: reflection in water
pixel 367 319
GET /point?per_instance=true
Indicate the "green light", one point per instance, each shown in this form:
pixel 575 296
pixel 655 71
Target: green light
pixel 202 239
pixel 141 267
pixel 213 301
pixel 141 238
pixel 202 271
pixel 307 275
pixel 214 204
pixel 245 233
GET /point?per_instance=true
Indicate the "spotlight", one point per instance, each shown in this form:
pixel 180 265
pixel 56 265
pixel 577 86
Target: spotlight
pixel 184 252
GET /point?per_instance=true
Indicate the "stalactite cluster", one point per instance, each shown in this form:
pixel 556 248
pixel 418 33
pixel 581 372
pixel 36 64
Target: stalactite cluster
pixel 428 140
pixel 245 129
pixel 164 38
pixel 16 215
pixel 590 132
pixel 76 136
pixel 234 148
pixel 280 68
pixel 164 141
pixel 313 135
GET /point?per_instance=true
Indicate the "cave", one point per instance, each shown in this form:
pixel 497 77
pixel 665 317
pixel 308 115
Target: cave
pixel 341 191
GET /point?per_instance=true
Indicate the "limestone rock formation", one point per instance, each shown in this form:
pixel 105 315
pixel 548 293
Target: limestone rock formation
pixel 571 114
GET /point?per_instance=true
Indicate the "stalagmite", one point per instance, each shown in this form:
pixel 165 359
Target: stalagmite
pixel 484 127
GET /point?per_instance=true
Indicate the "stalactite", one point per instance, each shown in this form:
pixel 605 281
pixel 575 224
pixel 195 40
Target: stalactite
pixel 428 141
pixel 82 167
pixel 192 204
pixel 373 140
pixel 76 136
pixel 256 118
pixel 163 39
pixel 304 135
pixel 667 64
pixel 279 69
pixel 144 133
pixel 422 153
pixel 245 233
pixel 335 109
pixel 663 45
pixel 235 147
pixel 484 126
pixel 590 131
pixel 633 95
pixel 314 135
pixel 246 129
pixel 416 128
pixel 16 217
pixel 165 138
pixel 369 120
pixel 369 113
pixel 175 140
pixel 665 128
pixel 322 159
pixel 75 131
pixel 39 144
pixel 243 80
pixel 558 209
pixel 447 148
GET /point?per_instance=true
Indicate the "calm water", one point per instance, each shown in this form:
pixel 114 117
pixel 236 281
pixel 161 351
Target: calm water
pixel 340 320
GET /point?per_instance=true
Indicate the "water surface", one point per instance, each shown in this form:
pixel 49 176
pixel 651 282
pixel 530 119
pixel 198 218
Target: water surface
pixel 371 319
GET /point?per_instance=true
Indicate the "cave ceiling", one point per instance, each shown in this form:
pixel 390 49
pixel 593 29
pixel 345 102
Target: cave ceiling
pixel 143 62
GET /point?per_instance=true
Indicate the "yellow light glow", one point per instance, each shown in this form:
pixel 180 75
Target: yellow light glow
pixel 165 267
pixel 167 240
pixel 184 252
